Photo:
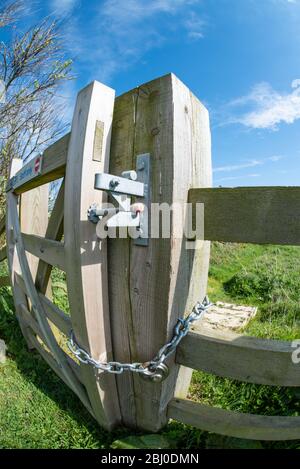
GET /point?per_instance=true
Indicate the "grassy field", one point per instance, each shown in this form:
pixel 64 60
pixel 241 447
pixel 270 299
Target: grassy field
pixel 38 411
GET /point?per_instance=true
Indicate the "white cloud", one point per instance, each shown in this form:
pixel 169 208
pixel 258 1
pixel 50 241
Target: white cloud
pixel 194 26
pixel 247 164
pixel 269 107
pixel 119 33
pixel 237 167
pixel 235 178
pixel 63 6
pixel 275 158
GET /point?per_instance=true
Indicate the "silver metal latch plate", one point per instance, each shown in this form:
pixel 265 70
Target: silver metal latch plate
pixel 122 188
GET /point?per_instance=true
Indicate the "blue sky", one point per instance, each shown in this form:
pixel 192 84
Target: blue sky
pixel 240 57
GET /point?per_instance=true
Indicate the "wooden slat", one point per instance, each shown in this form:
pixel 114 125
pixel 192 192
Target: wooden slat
pixel 54 231
pixel 50 251
pixel 2 225
pixel 262 215
pixel 239 357
pixel 4 282
pixel 56 315
pixel 235 424
pixel 13 261
pixel 86 257
pixel 54 165
pixel 3 253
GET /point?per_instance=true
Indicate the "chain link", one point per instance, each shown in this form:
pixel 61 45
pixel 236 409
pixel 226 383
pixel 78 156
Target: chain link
pixel 155 368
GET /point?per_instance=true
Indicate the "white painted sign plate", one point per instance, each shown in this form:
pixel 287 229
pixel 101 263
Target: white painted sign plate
pixel 29 171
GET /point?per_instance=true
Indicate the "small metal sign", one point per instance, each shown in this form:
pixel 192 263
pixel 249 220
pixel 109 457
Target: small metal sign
pixel 29 171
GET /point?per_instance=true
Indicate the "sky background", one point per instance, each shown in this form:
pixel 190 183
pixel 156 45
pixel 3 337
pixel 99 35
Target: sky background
pixel 241 58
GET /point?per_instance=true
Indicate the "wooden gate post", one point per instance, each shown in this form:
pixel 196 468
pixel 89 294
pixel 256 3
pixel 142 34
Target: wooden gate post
pixel 13 264
pixel 86 256
pixel 150 287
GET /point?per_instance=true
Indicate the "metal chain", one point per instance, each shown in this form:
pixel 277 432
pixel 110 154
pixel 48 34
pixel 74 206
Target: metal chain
pixel 154 369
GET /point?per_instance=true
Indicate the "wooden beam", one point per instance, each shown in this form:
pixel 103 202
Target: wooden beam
pixel 239 357
pixel 53 165
pixel 86 256
pixel 56 315
pixel 262 215
pixel 50 251
pixel 235 424
pixel 150 287
pixel 14 267
pixel 33 208
pixel 54 231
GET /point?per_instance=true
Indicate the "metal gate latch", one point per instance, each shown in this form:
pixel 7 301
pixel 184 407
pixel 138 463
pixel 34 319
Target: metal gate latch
pixel 121 189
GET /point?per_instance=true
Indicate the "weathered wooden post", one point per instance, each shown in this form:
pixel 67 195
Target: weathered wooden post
pixel 150 287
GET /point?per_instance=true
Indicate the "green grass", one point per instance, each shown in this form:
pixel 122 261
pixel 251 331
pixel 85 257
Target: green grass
pixel 38 411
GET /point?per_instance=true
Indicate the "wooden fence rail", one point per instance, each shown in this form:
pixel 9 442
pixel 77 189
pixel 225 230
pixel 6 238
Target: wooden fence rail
pixel 126 298
pixel 261 215
pixel 239 357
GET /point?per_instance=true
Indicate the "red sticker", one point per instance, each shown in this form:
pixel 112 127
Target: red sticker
pixel 37 164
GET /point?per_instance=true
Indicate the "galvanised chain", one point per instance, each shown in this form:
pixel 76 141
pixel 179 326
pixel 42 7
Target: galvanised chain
pixel 155 369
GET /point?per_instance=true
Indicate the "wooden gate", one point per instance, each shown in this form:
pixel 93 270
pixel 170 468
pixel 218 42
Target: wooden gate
pixel 125 298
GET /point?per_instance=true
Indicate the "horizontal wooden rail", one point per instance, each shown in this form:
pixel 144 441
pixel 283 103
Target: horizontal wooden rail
pixel 239 357
pixel 53 165
pixel 56 315
pixel 4 282
pixel 3 254
pixel 52 252
pixel 262 215
pixel 224 422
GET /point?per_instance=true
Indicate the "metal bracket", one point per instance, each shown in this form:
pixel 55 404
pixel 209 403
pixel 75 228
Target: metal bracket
pixel 121 188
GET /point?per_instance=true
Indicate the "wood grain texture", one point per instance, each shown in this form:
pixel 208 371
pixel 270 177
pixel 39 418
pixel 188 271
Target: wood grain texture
pixel 50 251
pixel 239 357
pixel 34 219
pixel 86 256
pixel 56 315
pixel 54 231
pixel 13 262
pixel 53 165
pixel 151 287
pixel 262 215
pixel 235 424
